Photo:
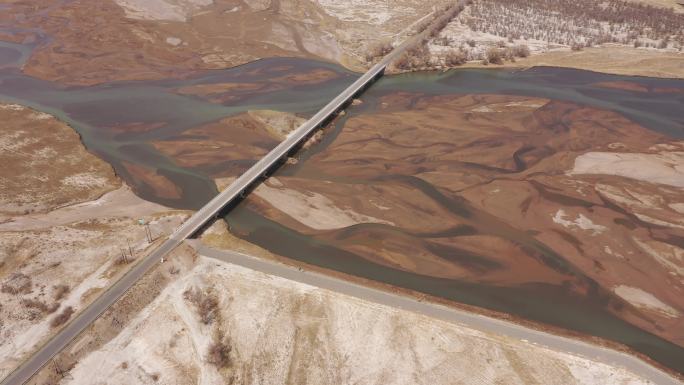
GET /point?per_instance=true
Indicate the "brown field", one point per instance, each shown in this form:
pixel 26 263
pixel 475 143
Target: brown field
pixel 489 188
pixel 612 60
pixel 45 166
pixel 65 217
pixel 141 39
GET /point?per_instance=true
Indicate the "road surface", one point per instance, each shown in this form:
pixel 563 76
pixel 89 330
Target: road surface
pixel 453 315
pixel 24 372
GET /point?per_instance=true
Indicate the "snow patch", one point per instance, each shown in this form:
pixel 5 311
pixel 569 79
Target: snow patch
pixel 580 222
pixel 645 300
pixel 664 168
pixel 174 41
pixel 312 209
pixel 172 10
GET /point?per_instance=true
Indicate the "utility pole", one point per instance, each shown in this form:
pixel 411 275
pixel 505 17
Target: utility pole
pixel 124 258
pixel 148 233
pixel 62 373
pixel 130 250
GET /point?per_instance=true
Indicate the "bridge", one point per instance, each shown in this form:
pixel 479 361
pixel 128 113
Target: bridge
pixel 234 193
pixel 236 190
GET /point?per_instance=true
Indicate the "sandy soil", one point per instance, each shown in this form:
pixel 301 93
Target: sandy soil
pixel 311 209
pixel 673 4
pixel 45 166
pixel 57 257
pixel 608 59
pixel 666 168
pixel 312 336
pixel 556 49
pixel 171 10
pixel 152 39
pixel 497 173
pixel 81 256
pixel 236 141
pixel 280 124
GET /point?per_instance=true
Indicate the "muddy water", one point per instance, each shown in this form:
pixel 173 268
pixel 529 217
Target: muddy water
pixel 96 112
pixel 99 112
pixel 550 304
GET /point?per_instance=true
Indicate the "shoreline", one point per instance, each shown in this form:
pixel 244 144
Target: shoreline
pixel 422 297
pixel 201 246
pixel 505 316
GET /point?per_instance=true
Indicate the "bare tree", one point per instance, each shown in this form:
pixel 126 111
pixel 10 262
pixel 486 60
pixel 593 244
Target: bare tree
pixel 494 55
pixel 586 22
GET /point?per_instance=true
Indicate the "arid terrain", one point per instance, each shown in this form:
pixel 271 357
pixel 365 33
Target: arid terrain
pixel 229 146
pixel 146 39
pixel 45 164
pixel 632 38
pixel 67 222
pixel 555 202
pixel 212 322
pixel 526 191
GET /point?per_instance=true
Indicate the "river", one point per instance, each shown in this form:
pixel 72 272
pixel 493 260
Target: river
pixel 99 112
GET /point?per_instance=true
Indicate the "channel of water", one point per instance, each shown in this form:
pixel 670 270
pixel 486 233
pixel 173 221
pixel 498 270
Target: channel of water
pixel 96 112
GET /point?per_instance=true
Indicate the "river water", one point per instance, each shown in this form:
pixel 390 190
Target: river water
pixel 98 112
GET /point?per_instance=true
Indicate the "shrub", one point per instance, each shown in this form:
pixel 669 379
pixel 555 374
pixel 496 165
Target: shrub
pixel 39 305
pixel 219 354
pixel 18 283
pixel 562 21
pixel 455 58
pixel 494 56
pixel 205 303
pixel 521 50
pixel 62 317
pixel 61 291
pixel 378 49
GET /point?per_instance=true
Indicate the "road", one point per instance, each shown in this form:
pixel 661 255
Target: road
pixel 24 372
pixel 453 315
pixel 207 213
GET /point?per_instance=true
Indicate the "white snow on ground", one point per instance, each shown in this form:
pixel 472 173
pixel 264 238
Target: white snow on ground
pixel 118 203
pixel 678 207
pixel 85 180
pixel 459 35
pixel 174 41
pixel 13 107
pixel 664 168
pixel 311 209
pixel 669 256
pixel 285 332
pixel 371 12
pixel 173 10
pixel 24 341
pixel 645 300
pixel 580 222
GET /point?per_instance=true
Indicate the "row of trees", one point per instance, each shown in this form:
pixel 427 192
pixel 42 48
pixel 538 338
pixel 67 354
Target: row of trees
pixel 418 56
pixel 578 23
pixel 434 24
pixel 497 55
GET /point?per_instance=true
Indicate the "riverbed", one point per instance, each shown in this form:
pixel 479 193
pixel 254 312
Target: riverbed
pixel 109 117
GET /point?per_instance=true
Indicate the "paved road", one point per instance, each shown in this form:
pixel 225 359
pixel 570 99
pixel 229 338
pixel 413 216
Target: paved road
pixel 24 372
pixel 471 320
